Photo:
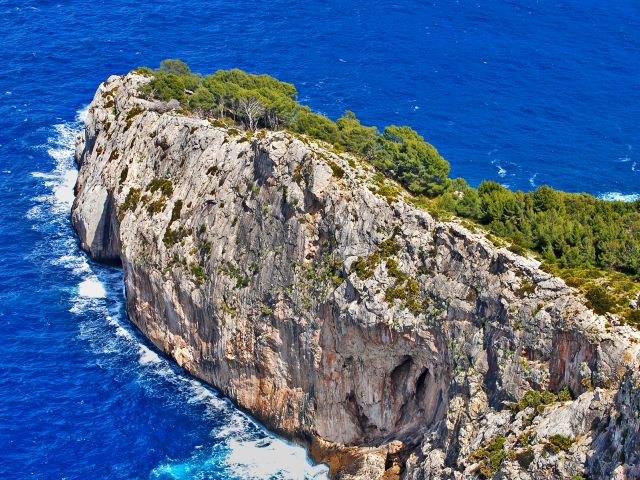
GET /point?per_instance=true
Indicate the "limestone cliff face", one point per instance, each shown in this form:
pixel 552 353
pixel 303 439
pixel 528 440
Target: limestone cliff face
pixel 390 343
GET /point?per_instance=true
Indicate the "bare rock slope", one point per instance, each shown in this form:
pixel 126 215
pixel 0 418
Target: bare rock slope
pixel 391 344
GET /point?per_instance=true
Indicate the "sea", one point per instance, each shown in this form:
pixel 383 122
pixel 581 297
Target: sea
pixel 526 93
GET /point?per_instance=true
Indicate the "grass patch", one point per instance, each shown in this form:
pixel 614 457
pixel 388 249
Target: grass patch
pixel 157 206
pixel 199 273
pixel 124 173
pixel 131 200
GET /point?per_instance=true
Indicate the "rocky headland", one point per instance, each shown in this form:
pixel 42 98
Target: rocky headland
pixel 391 344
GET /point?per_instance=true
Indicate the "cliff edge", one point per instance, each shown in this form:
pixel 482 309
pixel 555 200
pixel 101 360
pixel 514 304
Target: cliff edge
pixel 391 344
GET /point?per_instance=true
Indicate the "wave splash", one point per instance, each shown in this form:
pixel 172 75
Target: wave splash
pixel 238 447
pixel 620 197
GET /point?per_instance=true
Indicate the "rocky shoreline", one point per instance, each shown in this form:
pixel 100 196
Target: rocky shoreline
pixel 393 345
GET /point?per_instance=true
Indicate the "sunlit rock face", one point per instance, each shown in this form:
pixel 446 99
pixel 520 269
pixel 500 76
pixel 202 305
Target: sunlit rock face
pixel 288 276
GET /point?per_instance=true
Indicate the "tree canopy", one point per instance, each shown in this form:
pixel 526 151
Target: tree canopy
pixel 262 101
pixel 415 163
pixel 567 229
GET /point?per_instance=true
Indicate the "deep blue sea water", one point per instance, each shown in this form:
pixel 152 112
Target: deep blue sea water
pixel 522 92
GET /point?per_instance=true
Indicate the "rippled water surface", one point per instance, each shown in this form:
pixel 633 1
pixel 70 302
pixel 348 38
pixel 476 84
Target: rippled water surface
pixel 525 93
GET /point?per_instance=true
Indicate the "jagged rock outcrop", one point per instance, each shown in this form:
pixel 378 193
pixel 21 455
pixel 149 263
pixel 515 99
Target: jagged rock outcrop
pixel 311 292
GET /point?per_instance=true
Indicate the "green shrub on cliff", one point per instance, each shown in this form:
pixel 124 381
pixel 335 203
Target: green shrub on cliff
pixel 599 300
pixel 490 456
pixel 171 81
pixel 416 164
pixel 558 442
pixel 315 125
pixel 355 137
pixel 567 229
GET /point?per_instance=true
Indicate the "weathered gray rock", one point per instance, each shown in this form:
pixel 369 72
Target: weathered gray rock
pixel 268 266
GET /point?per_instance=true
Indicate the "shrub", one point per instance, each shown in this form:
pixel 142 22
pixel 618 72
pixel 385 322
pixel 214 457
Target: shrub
pixel 131 200
pixel 162 184
pixel 146 71
pixel 172 65
pixel 355 137
pixel 171 237
pixel 199 273
pixel 131 114
pixel 337 170
pixel 175 213
pixel 564 395
pixel 599 300
pixel 157 206
pixel 537 400
pixel 525 289
pixel 490 456
pixel 315 125
pixel 364 267
pixel 416 164
pixel 559 442
pixel 633 318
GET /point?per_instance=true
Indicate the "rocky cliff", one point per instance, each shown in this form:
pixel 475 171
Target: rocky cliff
pixel 310 291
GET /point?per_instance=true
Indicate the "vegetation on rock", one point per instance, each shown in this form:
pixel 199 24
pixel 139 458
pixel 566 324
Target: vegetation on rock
pixel 567 230
pixel 539 400
pixel 261 101
pixel 558 442
pixel 490 456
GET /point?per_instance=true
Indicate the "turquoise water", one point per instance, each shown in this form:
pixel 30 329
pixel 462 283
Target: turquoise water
pixel 520 92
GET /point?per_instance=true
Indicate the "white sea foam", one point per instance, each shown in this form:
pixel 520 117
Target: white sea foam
pixel 77 264
pixel 201 394
pixel 63 192
pixel 92 288
pixel 148 356
pixel 235 424
pixel 270 458
pixel 43 175
pixel 532 180
pixel 35 213
pixel 502 172
pixel 621 197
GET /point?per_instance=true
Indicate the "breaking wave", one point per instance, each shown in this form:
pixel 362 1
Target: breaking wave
pixel 621 197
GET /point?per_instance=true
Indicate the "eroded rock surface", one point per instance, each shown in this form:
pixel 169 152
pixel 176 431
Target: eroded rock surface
pixel 391 344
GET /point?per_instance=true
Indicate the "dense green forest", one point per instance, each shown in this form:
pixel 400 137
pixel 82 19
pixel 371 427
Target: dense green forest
pixel 577 235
